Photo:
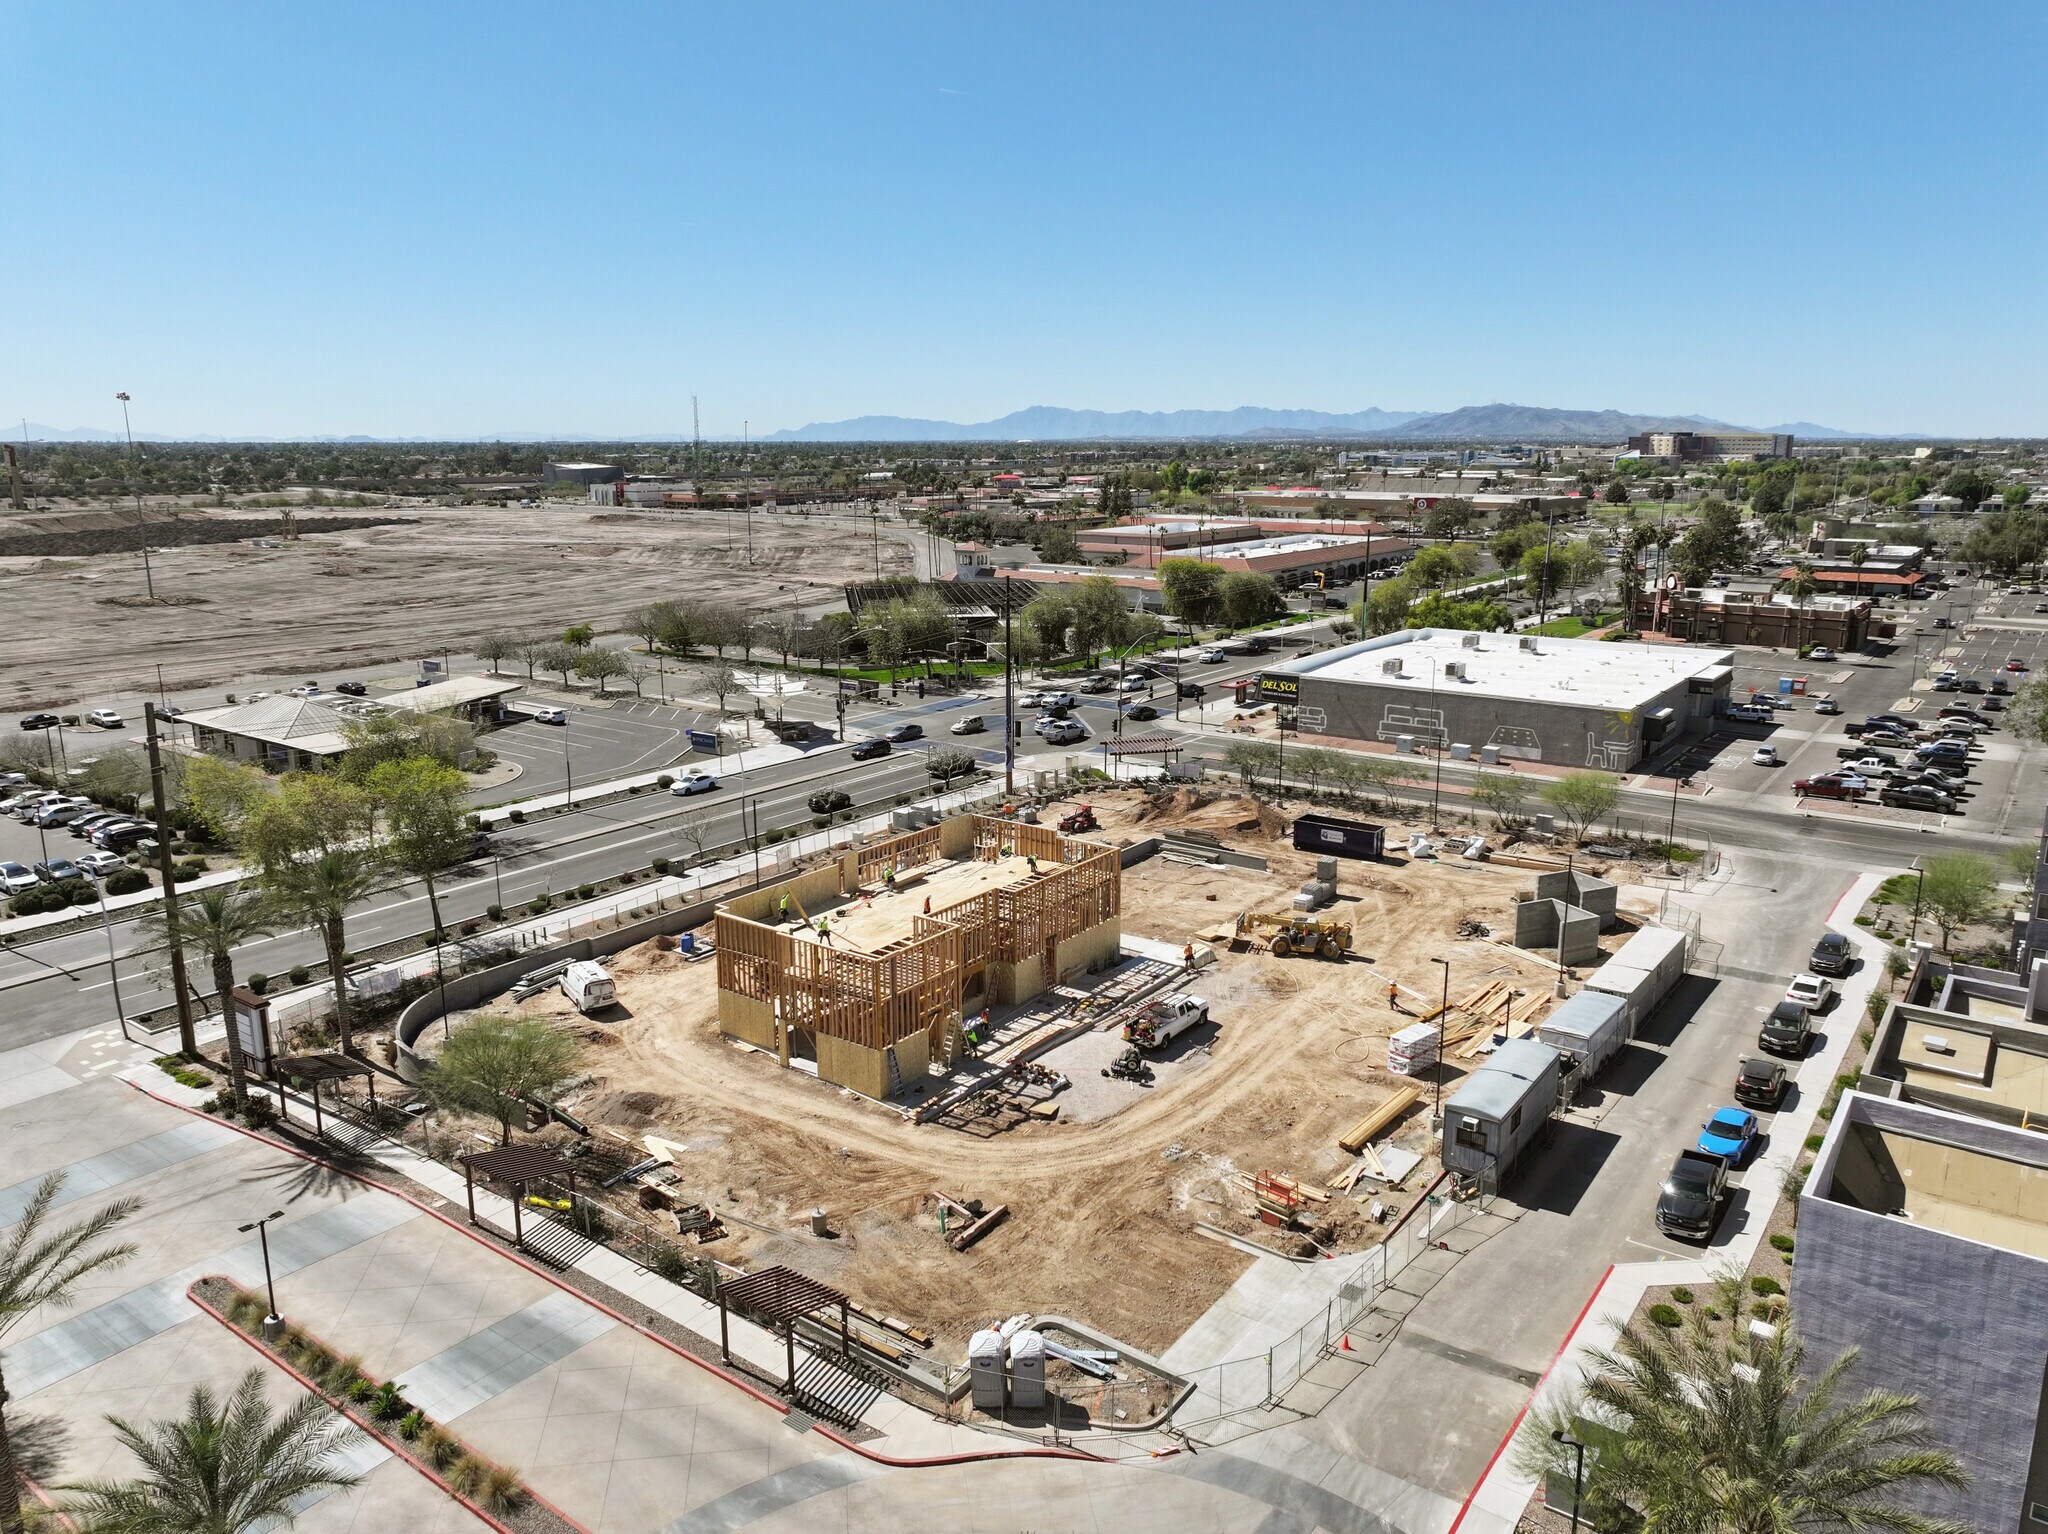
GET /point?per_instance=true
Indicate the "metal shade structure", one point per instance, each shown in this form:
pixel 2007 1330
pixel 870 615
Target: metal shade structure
pixel 519 1166
pixel 781 1297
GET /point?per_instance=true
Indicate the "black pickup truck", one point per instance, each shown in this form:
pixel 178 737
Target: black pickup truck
pixel 1690 1201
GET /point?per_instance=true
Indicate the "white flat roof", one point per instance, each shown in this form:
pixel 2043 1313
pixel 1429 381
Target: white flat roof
pixel 1586 673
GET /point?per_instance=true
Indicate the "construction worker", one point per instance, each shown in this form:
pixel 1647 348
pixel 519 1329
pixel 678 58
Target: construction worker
pixel 1394 996
pixel 1187 955
pixel 825 930
pixel 927 905
pixel 1031 861
pixel 889 877
pixel 782 909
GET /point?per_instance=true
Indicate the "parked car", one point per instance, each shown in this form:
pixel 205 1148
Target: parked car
pixel 1888 740
pixel 62 814
pixel 28 806
pixel 868 750
pixel 1786 1029
pixel 1821 652
pixel 1917 796
pixel 85 825
pixel 306 690
pixel 696 781
pixel 100 864
pixel 166 710
pixel 1832 955
pixel 353 689
pixel 827 801
pixel 1140 713
pixel 1813 992
pixel 1946 683
pixel 16 877
pixel 1750 713
pixel 1760 1083
pixel 1730 1134
pixel 1766 756
pixel 1833 785
pixel 2015 665
pixel 40 722
pixel 105 718
pixel 1875 764
pixel 59 871
pixel 549 716
pixel 1826 706
pixel 1969 684
pixel 1995 703
pixel 969 724
pixel 1694 1190
pixel 122 838
pixel 900 734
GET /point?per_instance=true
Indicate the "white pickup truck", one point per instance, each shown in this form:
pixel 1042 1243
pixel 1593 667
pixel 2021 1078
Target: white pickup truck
pixel 1165 1019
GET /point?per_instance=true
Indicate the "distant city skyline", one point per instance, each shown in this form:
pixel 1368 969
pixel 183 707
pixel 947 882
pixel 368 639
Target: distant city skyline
pixel 466 221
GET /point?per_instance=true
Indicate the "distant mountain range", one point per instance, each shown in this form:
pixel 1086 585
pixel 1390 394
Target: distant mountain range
pixel 1053 423
pixel 1472 423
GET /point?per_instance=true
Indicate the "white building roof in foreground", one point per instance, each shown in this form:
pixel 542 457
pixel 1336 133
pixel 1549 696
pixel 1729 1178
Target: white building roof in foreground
pixel 1583 673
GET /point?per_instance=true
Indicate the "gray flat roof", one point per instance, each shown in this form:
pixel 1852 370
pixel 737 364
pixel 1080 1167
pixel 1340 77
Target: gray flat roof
pixel 1586 673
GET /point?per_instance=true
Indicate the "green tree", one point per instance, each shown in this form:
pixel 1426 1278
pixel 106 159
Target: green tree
pixel 1050 616
pixel 221 796
pixel 1252 759
pixel 600 663
pixel 1190 589
pixel 677 630
pixel 1509 544
pixel 579 636
pixel 318 889
pixel 1701 1433
pixel 1800 586
pixel 2015 496
pixel 1449 518
pixel 1581 798
pixel 559 658
pixel 1541 568
pixel 1957 889
pixel 2027 714
pixel 1060 546
pixel 222 1468
pixel 44 1268
pixel 493 1065
pixel 419 802
pixel 1102 616
pixel 215 921
pixel 1437 566
pixel 1386 607
pixel 398 737
pixel 1583 564
pixel 1441 612
pixel 1504 795
pixel 1249 597
pixel 1616 493
pixel 1971 486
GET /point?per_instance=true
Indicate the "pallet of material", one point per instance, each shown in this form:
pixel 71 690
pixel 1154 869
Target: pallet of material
pixel 1375 1123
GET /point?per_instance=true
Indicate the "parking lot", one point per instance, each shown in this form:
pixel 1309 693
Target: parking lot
pixel 598 743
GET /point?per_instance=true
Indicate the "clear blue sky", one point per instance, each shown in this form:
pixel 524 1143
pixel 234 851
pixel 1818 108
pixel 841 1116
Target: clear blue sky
pixel 448 218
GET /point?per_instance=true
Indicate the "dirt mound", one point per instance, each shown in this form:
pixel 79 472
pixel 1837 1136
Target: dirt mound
pixel 1176 805
pixel 126 538
pixel 626 1110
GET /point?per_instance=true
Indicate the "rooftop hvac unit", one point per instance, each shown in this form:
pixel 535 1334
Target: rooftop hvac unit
pixel 1528 642
pixel 1454 668
pixel 1390 668
pixel 1470 641
pixel 1936 1044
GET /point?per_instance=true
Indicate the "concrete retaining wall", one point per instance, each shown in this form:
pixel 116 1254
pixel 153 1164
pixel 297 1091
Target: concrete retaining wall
pixel 1537 924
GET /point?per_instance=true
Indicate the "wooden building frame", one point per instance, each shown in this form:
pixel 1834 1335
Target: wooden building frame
pixel 1001 945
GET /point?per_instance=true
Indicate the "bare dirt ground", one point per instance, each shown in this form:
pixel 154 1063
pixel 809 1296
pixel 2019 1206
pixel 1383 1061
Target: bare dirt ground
pixel 1103 1212
pixel 356 597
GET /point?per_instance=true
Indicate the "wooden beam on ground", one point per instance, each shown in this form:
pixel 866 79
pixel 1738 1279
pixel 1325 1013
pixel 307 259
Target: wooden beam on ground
pixel 1376 1122
pixel 980 1228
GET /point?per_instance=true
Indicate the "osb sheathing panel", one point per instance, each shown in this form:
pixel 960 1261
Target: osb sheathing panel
pixel 846 1064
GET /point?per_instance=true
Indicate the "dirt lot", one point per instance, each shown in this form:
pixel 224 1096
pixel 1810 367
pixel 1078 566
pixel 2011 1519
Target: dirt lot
pixel 1104 1211
pixel 352 597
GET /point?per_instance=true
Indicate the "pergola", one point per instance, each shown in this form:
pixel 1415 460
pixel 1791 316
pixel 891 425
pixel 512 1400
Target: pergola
pixel 1162 746
pixel 520 1166
pixel 314 1071
pixel 781 1297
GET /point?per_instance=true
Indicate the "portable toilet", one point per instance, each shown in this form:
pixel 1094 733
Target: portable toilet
pixel 1027 1371
pixel 985 1369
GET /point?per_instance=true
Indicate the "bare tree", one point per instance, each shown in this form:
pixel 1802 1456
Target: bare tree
pixel 495 646
pixel 721 681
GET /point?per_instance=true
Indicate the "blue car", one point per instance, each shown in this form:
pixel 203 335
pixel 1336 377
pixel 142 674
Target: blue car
pixel 1731 1132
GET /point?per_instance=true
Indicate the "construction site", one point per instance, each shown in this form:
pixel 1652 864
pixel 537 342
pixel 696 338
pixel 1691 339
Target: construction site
pixel 984 1067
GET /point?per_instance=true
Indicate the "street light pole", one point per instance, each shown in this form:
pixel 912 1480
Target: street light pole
pixel 273 1324
pixel 113 970
pixel 1578 1472
pixel 141 518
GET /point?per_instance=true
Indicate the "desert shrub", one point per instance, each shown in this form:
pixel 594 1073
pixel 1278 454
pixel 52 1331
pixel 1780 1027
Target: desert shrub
pixel 466 1476
pixel 495 912
pixel 126 881
pixel 501 1490
pixel 411 1425
pixel 660 865
pixel 1781 1241
pixel 1764 1284
pixel 1682 1295
pixel 298 974
pixel 361 1392
pixel 259 983
pixel 517 817
pixel 664 944
pixel 259 1114
pixel 340 1375
pixel 437 1446
pixel 585 891
pixel 539 903
pixel 1665 1315
pixel 389 1402
pixel 666 781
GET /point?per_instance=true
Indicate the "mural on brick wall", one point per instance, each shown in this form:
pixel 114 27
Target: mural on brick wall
pixel 1399 719
pixel 1516 740
pixel 1604 750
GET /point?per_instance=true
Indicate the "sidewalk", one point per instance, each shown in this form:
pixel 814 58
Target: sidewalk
pixel 1498 1501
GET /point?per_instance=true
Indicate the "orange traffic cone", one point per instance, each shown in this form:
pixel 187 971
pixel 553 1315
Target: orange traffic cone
pixel 1346 1345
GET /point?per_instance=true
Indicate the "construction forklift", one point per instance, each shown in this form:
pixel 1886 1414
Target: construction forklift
pixel 1285 932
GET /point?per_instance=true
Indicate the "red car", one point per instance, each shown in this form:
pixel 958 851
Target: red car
pixel 1833 785
pixel 2015 665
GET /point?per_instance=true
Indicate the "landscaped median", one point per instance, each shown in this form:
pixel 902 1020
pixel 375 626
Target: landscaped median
pixel 490 1490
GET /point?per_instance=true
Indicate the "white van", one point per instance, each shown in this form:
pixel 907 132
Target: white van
pixel 588 986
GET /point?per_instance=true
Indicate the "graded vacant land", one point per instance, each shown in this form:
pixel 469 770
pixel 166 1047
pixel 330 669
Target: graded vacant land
pixel 346 594
pixel 1104 1211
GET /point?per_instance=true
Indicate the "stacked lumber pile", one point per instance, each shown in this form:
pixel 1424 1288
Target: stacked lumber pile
pixel 1379 1121
pixel 1517 1021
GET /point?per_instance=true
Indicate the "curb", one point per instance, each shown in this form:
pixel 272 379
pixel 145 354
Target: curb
pixel 396 1445
pixel 776 1404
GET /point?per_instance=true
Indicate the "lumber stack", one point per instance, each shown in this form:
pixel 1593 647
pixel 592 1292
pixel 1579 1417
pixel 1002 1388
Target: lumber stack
pixel 1377 1122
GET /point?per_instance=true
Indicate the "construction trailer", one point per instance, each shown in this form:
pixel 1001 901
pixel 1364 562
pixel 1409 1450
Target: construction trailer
pixel 1587 1030
pixel 875 1017
pixel 1499 1110
pixel 1642 972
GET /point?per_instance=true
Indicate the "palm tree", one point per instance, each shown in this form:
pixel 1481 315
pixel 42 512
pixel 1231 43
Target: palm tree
pixel 216 921
pixel 222 1468
pixel 1700 1431
pixel 44 1269
pixel 1800 585
pixel 319 891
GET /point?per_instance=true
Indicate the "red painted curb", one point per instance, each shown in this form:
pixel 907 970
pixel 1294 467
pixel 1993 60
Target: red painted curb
pixel 735 1381
pixel 1516 1426
pixel 396 1445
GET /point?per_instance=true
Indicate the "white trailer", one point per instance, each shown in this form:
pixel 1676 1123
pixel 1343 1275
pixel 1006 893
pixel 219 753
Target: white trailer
pixel 1587 1030
pixel 1642 972
pixel 588 986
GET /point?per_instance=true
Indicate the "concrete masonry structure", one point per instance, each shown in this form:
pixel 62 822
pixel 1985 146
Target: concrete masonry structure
pixel 867 965
pixel 1505 697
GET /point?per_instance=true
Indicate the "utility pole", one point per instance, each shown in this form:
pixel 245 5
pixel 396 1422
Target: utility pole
pixel 141 519
pixel 1009 725
pixel 696 448
pixel 14 477
pixel 188 1038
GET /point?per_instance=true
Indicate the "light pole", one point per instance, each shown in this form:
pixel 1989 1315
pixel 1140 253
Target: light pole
pixel 113 970
pixel 1436 797
pixel 568 772
pixel 273 1324
pixel 1919 883
pixel 141 519
pixel 1578 1471
pixel 1436 1106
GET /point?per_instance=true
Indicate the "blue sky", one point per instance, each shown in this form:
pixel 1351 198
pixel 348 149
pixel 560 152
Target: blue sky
pixel 448 218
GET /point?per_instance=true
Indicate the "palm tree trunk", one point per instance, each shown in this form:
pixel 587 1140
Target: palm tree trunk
pixel 10 1476
pixel 331 936
pixel 223 986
